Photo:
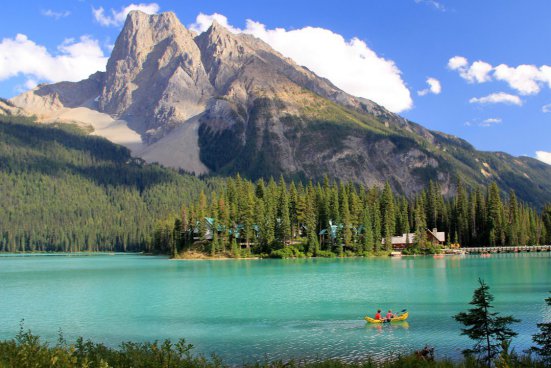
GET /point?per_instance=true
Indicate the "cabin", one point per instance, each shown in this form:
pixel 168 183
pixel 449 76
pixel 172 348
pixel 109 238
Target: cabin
pixel 329 234
pixel 434 237
pixel 208 223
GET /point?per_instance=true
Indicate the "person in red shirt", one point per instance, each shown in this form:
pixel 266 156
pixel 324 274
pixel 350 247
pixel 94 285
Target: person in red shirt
pixel 389 315
pixel 378 314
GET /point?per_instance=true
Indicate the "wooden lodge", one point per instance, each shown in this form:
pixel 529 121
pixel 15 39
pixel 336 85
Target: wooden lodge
pixel 434 237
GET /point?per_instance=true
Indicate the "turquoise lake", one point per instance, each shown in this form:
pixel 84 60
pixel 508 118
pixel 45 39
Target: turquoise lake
pixel 246 310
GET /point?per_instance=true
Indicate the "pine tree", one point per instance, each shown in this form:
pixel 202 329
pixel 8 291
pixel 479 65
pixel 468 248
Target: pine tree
pixel 377 233
pixel 486 328
pixel 543 340
pixel 388 216
pixel 368 231
pixel 283 213
pixel 495 216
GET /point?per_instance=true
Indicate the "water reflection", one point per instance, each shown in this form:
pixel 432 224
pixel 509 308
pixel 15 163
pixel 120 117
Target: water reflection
pixel 385 326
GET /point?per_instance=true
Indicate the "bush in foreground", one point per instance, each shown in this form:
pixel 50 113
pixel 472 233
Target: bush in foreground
pixel 27 350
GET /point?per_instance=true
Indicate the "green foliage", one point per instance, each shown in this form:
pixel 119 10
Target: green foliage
pixel 62 190
pixel 29 351
pixel 490 332
pixel 287 252
pixel 543 340
pixel 348 220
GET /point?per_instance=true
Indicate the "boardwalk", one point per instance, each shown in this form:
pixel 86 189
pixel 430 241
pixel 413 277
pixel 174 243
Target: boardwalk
pixel 526 248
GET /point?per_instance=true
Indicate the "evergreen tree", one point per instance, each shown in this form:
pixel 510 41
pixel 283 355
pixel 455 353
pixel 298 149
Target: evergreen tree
pixel 368 240
pixel 388 216
pixel 488 330
pixel 495 216
pixel 283 213
pixel 543 340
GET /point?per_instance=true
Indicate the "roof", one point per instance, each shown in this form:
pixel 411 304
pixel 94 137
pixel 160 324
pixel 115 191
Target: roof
pixel 403 239
pixel 439 235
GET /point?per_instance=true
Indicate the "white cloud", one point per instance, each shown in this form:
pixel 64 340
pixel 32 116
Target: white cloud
pixel 437 5
pixel 203 22
pixel 350 64
pixel 546 108
pixel 117 18
pixel 434 87
pixel 479 71
pixel 525 79
pixel 490 121
pixel 457 62
pixel 544 156
pixel 56 15
pixel 499 97
pixel 74 60
pixel 484 123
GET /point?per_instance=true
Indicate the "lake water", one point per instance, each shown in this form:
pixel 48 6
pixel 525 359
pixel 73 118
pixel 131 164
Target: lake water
pixel 248 310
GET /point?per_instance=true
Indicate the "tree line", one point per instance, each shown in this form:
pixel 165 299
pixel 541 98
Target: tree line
pixel 330 217
pixel 64 190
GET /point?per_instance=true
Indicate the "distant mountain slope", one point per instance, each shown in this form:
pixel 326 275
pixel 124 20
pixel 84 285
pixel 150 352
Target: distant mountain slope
pixel 65 191
pixel 225 103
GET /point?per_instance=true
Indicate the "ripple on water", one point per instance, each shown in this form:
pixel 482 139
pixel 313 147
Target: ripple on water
pixel 253 310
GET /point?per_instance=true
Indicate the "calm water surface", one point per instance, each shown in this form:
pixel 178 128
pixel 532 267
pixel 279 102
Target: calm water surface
pixel 256 309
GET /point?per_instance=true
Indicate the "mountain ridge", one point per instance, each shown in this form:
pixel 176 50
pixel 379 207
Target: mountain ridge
pixel 222 103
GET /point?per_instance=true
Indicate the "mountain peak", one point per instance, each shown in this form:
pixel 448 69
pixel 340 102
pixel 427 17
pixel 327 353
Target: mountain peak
pixel 228 103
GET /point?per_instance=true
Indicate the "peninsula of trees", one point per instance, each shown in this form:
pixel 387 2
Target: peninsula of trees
pixel 288 219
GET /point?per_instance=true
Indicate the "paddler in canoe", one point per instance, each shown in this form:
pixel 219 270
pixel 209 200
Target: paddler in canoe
pixel 390 317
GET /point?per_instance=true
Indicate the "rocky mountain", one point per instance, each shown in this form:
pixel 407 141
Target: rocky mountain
pixel 224 103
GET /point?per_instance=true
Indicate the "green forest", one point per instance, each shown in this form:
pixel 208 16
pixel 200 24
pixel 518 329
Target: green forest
pixel 64 190
pixel 289 219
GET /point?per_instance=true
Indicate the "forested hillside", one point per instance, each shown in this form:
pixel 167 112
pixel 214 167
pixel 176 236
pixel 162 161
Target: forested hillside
pixel 62 190
pixel 331 218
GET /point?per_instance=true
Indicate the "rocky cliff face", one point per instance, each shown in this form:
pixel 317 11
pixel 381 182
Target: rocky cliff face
pixel 228 103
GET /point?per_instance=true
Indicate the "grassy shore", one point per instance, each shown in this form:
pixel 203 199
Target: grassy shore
pixel 27 350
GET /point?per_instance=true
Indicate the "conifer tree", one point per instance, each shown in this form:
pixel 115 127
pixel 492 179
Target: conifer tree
pixel 388 216
pixel 543 340
pixel 368 239
pixel 283 213
pixel 488 330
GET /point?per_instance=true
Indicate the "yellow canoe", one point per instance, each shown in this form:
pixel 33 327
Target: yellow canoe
pixel 401 317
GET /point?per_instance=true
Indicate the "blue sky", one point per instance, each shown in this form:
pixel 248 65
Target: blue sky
pixel 499 103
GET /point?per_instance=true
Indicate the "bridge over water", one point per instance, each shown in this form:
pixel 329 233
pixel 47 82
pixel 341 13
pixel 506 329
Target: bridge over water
pixel 525 248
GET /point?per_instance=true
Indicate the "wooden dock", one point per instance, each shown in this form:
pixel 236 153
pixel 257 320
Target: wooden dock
pixel 525 248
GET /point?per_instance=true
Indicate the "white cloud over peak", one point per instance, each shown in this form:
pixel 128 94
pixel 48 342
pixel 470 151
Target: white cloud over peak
pixel 117 18
pixel 203 22
pixel 434 87
pixel 350 64
pixel 499 97
pixel 525 79
pixel 544 156
pixel 74 60
pixel 56 14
